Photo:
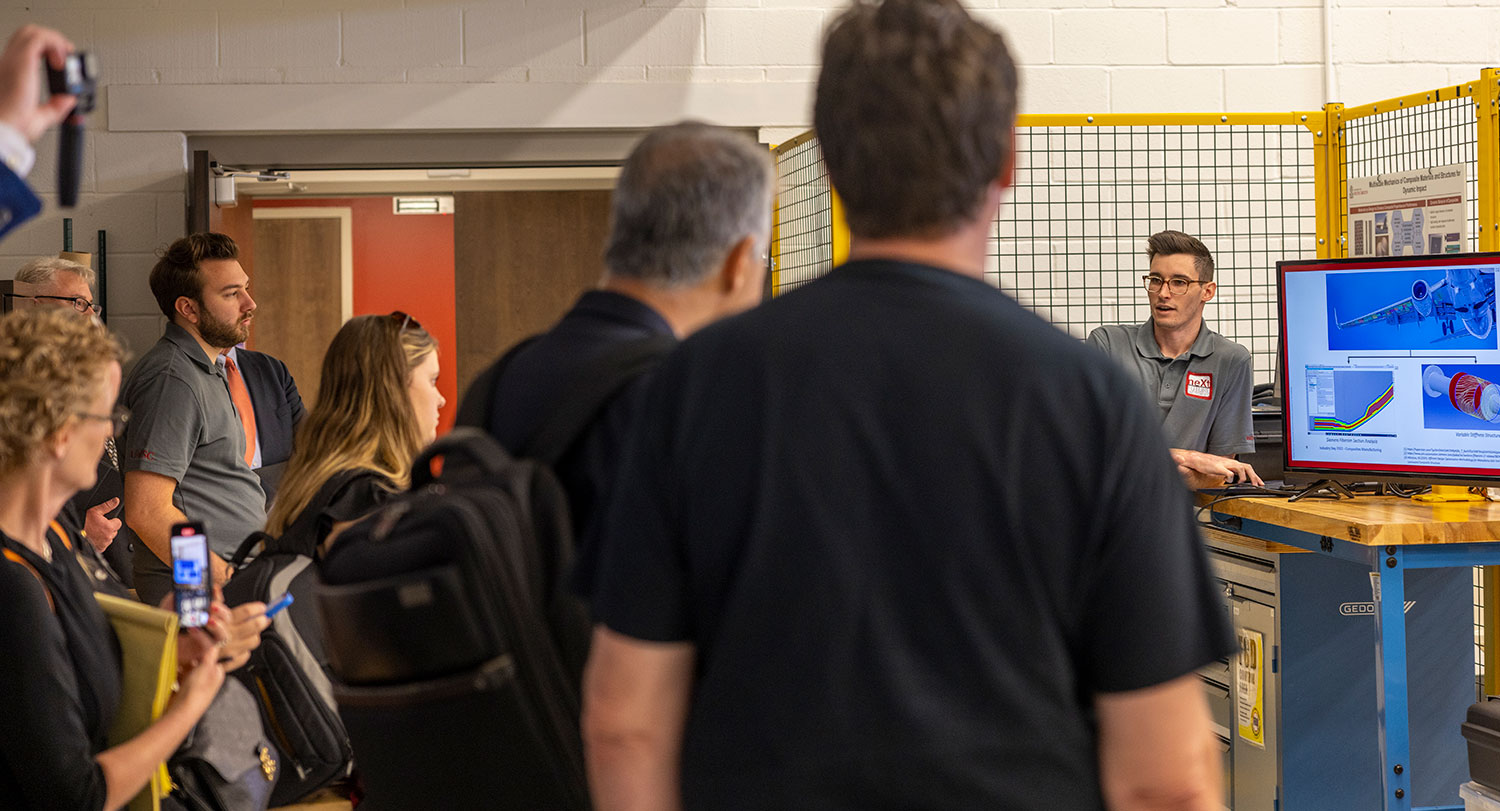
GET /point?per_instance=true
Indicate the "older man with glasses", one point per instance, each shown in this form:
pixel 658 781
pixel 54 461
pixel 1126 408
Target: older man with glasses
pixel 54 282
pixel 50 281
pixel 1199 380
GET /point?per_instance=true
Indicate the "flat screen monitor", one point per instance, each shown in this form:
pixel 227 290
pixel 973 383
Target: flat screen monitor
pixel 1390 368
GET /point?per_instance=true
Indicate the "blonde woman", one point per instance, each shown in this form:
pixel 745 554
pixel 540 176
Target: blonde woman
pixel 377 407
pixel 59 660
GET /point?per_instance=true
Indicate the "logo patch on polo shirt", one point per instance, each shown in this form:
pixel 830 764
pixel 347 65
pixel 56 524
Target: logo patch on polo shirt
pixel 1199 385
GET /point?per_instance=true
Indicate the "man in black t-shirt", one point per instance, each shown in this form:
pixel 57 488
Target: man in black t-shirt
pixel 890 541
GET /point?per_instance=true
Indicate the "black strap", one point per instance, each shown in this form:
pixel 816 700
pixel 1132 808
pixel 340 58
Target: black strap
pixel 593 388
pixel 250 542
pixel 309 517
pixel 476 409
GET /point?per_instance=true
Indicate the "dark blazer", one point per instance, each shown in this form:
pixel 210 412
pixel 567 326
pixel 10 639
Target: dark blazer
pixel 17 203
pixel 278 410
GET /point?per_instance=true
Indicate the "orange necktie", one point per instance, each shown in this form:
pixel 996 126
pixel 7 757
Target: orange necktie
pixel 241 397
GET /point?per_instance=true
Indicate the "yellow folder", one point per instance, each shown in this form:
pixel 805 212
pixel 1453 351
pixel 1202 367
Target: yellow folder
pixel 148 648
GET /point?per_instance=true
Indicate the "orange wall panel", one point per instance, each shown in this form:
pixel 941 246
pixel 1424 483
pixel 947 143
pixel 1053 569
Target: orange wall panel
pixel 404 263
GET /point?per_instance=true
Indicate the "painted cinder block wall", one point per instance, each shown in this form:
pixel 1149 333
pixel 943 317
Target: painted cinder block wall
pixel 1077 56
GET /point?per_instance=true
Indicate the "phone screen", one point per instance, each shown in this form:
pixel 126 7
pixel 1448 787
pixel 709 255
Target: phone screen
pixel 190 575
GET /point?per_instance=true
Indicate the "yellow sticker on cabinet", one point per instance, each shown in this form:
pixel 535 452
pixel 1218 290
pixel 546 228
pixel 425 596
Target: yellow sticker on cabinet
pixel 1250 673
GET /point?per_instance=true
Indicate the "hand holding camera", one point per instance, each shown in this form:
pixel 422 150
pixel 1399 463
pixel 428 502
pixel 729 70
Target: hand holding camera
pixel 21 104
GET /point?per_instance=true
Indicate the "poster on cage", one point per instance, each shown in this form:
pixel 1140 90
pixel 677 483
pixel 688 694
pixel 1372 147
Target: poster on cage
pixel 1412 213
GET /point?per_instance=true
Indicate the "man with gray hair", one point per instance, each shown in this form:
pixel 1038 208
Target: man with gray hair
pixel 690 223
pixel 51 281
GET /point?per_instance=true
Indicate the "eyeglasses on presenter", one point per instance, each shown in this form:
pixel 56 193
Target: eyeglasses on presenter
pixel 1176 284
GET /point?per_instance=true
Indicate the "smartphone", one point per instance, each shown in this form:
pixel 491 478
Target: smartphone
pixel 192 582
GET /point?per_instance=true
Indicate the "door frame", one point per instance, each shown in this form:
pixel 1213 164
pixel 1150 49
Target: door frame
pixel 345 216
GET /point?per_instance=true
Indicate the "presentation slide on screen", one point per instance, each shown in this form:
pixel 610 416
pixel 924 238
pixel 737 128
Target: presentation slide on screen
pixel 1393 369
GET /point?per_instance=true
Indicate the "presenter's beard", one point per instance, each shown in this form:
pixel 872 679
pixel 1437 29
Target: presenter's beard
pixel 223 334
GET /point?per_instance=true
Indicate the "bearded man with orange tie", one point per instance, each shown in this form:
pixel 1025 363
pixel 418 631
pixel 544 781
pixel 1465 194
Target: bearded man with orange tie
pixel 191 441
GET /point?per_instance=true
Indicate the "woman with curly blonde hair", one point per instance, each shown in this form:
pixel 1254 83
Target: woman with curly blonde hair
pixel 59 659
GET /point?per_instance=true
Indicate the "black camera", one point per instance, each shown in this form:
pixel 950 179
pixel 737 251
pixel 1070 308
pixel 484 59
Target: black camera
pixel 79 77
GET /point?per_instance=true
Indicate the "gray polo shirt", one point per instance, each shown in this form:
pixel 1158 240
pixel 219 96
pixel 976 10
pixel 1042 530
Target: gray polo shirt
pixel 1203 394
pixel 184 425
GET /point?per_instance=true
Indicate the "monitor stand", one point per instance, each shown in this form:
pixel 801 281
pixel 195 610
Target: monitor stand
pixel 1322 488
pixel 1448 492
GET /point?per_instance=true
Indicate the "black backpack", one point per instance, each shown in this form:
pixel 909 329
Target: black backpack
pixel 456 647
pixel 287 674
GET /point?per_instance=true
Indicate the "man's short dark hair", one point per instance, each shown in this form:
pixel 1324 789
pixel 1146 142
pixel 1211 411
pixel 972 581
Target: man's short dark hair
pixel 915 112
pixel 685 196
pixel 1171 243
pixel 177 272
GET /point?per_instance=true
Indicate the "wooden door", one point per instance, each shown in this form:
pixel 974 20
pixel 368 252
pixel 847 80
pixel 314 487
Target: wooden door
pixel 520 261
pixel 300 289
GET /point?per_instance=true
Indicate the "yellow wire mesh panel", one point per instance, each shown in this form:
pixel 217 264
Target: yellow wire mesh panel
pixel 1070 242
pixel 1410 137
pixel 802 246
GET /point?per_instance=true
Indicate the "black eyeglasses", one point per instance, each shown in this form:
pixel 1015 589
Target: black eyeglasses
pixel 404 320
pixel 117 418
pixel 1176 284
pixel 78 303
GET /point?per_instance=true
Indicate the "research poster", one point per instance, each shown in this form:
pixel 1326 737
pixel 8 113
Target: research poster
pixel 1412 213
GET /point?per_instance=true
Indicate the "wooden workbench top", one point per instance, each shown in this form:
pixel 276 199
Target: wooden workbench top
pixel 1375 520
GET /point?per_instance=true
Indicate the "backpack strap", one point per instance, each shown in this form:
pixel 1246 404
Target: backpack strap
pixel 305 522
pixel 593 388
pixel 476 409
pixel 257 537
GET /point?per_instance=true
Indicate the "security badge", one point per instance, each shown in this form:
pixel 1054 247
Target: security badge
pixel 1199 385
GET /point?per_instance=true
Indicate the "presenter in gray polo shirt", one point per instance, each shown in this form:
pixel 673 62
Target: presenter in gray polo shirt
pixel 185 446
pixel 1199 380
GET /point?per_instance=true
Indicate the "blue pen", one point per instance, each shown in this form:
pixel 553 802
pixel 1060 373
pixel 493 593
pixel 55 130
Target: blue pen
pixel 286 600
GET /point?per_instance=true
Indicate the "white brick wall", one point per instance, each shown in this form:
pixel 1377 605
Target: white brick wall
pixel 1165 90
pixel 1266 89
pixel 1465 34
pixel 1110 36
pixel 136 38
pixel 403 38
pixel 644 37
pixel 1362 35
pixel 1301 36
pixel 755 37
pixel 503 35
pixel 257 39
pixel 1075 56
pixel 1222 37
